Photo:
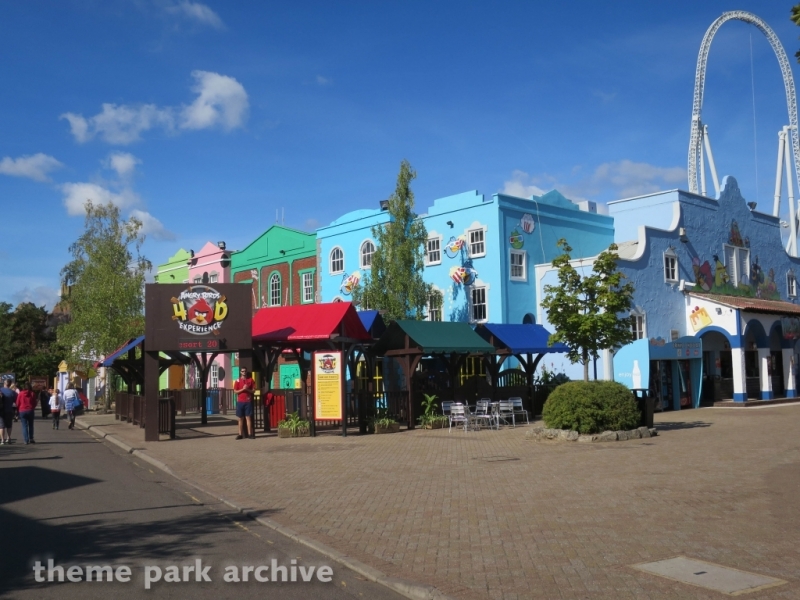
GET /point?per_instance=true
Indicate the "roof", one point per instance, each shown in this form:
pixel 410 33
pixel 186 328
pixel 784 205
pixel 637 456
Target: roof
pixel 373 322
pixel 308 323
pixel 519 338
pixel 752 304
pixel 109 360
pixel 432 337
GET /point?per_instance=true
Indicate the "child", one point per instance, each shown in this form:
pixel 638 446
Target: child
pixel 56 406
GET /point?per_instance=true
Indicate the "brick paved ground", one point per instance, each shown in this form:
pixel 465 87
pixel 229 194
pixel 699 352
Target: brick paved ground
pixel 492 515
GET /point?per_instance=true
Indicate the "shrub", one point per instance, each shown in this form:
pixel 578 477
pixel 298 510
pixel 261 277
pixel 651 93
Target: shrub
pixel 591 407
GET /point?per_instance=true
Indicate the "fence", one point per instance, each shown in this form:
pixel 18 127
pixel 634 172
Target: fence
pixel 131 408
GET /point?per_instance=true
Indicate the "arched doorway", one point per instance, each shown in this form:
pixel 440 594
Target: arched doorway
pixel 717 368
pixel 775 365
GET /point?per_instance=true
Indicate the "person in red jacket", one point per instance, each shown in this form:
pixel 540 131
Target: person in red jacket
pixel 26 404
pixel 244 387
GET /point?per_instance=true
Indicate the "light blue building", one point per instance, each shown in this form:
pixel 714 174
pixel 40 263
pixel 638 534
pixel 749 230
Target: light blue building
pixel 479 253
pixel 716 306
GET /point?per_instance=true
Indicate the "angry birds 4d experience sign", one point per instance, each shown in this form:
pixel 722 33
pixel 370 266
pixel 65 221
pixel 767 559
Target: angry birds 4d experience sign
pixel 198 317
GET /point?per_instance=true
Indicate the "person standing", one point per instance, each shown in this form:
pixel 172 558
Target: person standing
pixel 26 404
pixel 244 387
pixel 8 402
pixel 56 406
pixel 71 401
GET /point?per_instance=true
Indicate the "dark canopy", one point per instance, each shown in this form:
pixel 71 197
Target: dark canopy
pixel 432 337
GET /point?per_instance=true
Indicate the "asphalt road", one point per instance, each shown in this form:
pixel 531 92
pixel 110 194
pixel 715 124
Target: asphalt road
pixel 81 502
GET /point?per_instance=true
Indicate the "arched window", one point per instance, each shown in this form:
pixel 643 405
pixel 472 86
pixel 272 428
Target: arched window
pixel 275 290
pixel 528 319
pixel 337 261
pixel 367 250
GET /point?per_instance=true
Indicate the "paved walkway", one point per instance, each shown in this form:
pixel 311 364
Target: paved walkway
pixel 492 515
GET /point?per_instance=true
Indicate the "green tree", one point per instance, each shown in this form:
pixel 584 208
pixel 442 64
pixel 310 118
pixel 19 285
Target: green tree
pixel 27 341
pixel 796 20
pixel 394 283
pixel 589 312
pixel 105 279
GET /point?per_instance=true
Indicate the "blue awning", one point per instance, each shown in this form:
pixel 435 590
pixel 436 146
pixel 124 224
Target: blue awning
pixel 109 360
pixel 373 322
pixel 519 338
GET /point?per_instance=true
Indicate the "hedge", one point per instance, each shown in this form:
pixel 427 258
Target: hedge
pixel 591 407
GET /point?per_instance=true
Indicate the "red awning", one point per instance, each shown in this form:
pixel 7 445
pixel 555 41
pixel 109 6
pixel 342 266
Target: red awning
pixel 308 323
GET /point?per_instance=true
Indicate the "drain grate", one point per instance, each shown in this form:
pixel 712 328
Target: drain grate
pixel 708 575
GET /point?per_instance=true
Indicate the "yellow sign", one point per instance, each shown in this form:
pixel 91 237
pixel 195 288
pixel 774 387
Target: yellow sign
pixel 699 318
pixel 62 366
pixel 328 385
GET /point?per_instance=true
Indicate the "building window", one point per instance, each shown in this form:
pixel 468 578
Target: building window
pixel 308 287
pixel 214 375
pixel 198 280
pixel 213 278
pixel 433 256
pixel 435 307
pixel 275 290
pixel 367 250
pixel 479 308
pixel 477 243
pixel 637 326
pixel 337 261
pixel 737 264
pixel 670 265
pixel 791 284
pixel 517 264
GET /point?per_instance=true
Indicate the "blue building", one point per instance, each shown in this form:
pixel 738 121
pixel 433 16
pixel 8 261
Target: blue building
pixel 479 252
pixel 715 314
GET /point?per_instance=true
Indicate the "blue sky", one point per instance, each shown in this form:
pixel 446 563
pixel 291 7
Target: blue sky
pixel 203 119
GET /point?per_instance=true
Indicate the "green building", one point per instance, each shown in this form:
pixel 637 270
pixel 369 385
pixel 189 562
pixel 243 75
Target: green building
pixel 176 269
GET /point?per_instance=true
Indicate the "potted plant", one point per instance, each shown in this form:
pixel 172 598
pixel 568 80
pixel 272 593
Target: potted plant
pixel 293 426
pixel 383 423
pixel 429 419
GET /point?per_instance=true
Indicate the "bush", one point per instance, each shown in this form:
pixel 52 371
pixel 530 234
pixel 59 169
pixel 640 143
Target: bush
pixel 591 407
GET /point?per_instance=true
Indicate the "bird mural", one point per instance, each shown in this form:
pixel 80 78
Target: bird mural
pixel 721 273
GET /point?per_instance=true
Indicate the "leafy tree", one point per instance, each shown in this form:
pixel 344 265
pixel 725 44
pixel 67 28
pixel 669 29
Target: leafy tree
pixel 105 280
pixel 394 283
pixel 27 341
pixel 796 20
pixel 586 310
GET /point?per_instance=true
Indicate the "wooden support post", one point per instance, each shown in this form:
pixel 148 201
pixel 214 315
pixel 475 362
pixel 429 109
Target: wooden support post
pixel 151 397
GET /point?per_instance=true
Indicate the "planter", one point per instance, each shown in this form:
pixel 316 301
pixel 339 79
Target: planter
pixel 285 432
pixel 436 425
pixel 393 428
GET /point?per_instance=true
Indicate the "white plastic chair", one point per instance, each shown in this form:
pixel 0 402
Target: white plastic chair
pixel 446 404
pixel 458 415
pixel 516 402
pixel 505 411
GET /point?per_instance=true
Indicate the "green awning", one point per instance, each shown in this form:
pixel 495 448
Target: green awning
pixel 432 337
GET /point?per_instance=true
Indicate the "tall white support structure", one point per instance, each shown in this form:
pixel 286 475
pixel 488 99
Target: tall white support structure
pixel 698 132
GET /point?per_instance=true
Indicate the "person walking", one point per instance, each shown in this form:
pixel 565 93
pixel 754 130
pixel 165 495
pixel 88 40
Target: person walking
pixel 56 406
pixel 26 404
pixel 71 401
pixel 8 403
pixel 244 387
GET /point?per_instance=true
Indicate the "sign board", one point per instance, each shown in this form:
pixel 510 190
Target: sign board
pixel 328 385
pixel 7 376
pixel 198 317
pixel 38 383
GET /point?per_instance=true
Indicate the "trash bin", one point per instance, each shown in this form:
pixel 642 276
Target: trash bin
pixel 646 406
pixel 212 402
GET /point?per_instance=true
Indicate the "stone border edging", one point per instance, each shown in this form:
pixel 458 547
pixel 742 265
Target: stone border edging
pixel 404 587
pixel 539 434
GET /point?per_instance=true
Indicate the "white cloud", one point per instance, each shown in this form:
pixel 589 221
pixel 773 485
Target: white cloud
pixel 35 166
pixel 221 101
pixel 40 296
pixel 123 163
pixel 324 80
pixel 152 226
pixel 521 186
pixel 76 195
pixel 197 12
pixel 611 181
pixel 119 124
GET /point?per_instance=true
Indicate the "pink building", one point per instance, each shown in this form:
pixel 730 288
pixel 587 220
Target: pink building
pixel 212 264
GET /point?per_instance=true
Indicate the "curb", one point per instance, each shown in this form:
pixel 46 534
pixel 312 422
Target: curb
pixel 404 587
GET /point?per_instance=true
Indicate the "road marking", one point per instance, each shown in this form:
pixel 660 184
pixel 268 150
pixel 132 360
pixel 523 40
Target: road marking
pixel 192 497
